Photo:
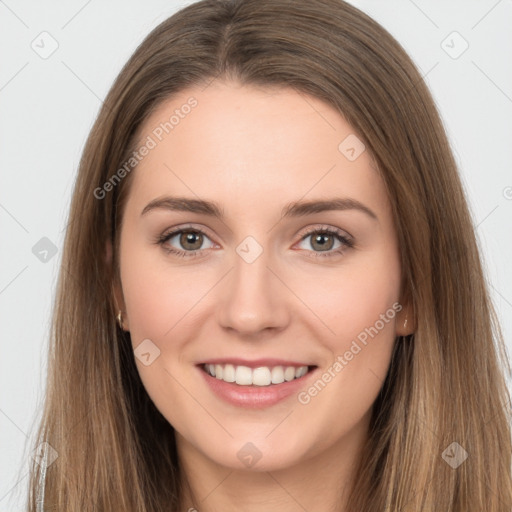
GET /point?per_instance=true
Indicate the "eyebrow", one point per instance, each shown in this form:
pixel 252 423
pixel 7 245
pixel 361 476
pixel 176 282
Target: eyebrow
pixel 294 209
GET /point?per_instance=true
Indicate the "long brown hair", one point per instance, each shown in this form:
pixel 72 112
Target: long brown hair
pixel 445 383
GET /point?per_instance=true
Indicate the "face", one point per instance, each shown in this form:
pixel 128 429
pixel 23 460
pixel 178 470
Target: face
pixel 267 274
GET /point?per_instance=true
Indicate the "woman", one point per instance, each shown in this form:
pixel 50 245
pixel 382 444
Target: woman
pixel 329 324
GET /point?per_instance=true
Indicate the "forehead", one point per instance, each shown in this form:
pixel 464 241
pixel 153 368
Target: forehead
pixel 247 145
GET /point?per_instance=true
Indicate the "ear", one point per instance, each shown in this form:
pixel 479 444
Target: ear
pixel 117 290
pixel 405 323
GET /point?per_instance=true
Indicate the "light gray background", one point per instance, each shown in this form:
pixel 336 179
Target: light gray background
pixel 48 107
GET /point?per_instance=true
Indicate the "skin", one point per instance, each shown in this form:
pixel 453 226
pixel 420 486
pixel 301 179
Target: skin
pixel 254 150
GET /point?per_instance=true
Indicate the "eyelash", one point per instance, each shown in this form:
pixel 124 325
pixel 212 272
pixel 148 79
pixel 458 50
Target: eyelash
pixel 346 242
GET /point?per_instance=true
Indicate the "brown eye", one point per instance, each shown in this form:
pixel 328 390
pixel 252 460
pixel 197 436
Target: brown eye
pixel 322 241
pixel 185 242
pixel 326 241
pixel 191 240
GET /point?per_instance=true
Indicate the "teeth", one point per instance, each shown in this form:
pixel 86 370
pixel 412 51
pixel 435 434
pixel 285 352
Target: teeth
pixel 228 373
pixel 277 375
pixel 243 376
pixel 289 373
pixel 262 376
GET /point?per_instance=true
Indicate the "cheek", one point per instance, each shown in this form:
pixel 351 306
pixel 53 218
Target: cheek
pixel 357 307
pixel 159 301
pixel 345 302
pixel 353 299
pixel 360 306
pixel 160 306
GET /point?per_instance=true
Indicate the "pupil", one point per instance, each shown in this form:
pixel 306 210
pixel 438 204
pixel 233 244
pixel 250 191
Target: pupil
pixel 320 239
pixel 191 238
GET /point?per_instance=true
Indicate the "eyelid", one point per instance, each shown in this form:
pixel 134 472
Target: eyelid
pixel 345 238
pixel 174 230
pixel 301 233
pixel 346 241
pixel 171 232
pixel 323 227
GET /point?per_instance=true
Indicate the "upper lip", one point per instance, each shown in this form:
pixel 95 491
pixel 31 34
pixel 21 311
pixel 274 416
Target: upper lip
pixel 256 363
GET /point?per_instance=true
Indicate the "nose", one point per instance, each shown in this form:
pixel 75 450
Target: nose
pixel 253 297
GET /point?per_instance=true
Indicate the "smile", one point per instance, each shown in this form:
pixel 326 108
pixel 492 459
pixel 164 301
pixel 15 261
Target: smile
pixel 256 388
pixel 261 376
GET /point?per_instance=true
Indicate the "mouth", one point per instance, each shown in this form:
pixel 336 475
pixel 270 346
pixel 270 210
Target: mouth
pixel 258 376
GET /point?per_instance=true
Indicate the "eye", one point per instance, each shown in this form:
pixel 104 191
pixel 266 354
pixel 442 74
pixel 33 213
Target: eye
pixel 190 239
pixel 324 239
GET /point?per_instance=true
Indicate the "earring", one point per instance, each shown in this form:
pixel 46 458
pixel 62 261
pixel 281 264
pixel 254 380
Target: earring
pixel 405 323
pixel 120 320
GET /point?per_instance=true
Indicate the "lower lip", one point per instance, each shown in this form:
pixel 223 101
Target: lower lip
pixel 254 397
